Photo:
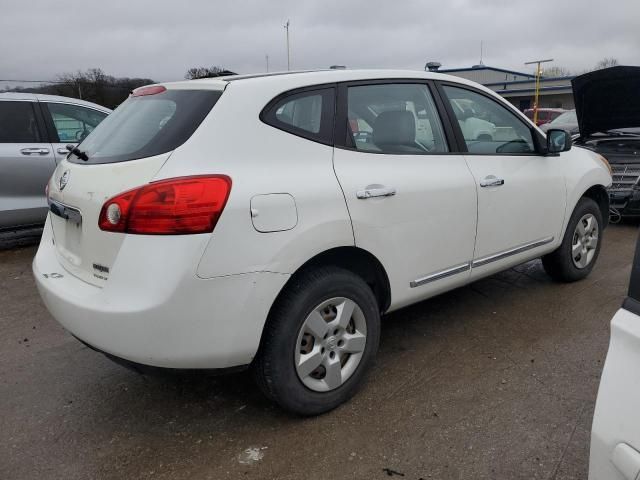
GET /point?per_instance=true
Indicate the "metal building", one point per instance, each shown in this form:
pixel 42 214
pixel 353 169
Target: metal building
pixel 518 87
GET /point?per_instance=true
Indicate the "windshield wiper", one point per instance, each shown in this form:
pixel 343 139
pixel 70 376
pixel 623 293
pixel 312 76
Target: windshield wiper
pixel 77 152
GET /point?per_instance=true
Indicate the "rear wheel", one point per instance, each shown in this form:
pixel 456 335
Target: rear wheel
pixel 576 256
pixel 321 338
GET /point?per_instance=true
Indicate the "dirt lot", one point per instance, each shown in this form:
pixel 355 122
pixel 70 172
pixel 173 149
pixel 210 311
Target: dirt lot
pixel 496 380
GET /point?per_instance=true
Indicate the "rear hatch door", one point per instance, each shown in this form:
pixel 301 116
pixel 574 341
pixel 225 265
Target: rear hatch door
pixel 125 151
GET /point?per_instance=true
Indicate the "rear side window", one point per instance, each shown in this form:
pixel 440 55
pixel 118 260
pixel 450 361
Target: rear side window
pixel 394 118
pixel 72 122
pixel 18 123
pixel 148 125
pixel 308 114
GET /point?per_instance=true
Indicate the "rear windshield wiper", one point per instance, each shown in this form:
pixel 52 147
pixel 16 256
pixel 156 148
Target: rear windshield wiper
pixel 77 152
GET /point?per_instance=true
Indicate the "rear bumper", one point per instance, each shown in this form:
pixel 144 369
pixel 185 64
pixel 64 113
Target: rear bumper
pixel 160 316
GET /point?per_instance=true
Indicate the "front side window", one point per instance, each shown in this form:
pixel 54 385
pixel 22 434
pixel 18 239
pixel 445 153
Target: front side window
pixel 18 123
pixel 72 122
pixel 487 126
pixel 307 114
pixel 396 118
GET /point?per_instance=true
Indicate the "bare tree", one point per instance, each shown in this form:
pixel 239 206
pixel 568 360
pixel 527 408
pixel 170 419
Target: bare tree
pixel 557 71
pixel 206 72
pixel 606 63
pixel 93 85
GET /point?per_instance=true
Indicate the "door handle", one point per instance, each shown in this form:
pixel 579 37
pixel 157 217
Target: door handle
pixel 371 191
pixel 34 151
pixel 63 151
pixel 491 181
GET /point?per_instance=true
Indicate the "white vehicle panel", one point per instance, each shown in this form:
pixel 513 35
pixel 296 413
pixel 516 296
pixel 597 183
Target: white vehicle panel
pixel 615 436
pixel 434 193
pixel 527 208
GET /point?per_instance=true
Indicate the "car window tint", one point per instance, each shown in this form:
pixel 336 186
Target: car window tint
pixel 72 122
pixel 148 125
pixel 394 118
pixel 487 126
pixel 308 114
pixel 18 123
pixel 303 112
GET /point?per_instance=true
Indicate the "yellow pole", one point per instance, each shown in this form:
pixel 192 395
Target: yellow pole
pixel 535 102
pixel 537 81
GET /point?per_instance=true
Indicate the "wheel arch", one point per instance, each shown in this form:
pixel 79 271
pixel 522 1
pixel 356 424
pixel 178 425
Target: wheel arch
pixel 356 260
pixel 598 193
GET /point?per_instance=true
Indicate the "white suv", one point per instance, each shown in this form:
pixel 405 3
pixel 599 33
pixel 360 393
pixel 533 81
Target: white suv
pixel 269 220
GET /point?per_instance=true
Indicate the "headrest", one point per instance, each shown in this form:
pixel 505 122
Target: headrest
pixel 397 127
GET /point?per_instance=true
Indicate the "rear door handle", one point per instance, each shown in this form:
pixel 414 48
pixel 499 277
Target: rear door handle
pixel 376 191
pixel 491 181
pixel 34 151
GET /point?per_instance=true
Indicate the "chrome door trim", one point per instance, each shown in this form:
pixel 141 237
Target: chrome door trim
pixel 441 274
pixel 512 251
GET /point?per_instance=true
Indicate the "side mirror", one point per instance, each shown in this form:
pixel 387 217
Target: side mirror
pixel 558 141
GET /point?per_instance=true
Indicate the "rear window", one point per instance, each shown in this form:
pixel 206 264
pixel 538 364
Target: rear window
pixel 148 125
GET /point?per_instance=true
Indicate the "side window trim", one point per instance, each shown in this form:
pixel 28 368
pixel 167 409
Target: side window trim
pixel 343 141
pixel 327 120
pixel 462 145
pixel 47 119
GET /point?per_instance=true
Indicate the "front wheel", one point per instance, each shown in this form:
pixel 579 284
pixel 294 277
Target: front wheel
pixel 320 339
pixel 576 256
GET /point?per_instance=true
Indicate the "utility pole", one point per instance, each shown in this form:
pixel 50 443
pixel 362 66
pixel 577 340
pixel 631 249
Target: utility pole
pixel 266 57
pixel 286 27
pixel 538 64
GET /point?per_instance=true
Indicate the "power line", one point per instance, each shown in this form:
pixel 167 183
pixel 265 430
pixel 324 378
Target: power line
pixel 33 81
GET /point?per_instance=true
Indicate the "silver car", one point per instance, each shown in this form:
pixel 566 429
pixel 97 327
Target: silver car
pixel 34 132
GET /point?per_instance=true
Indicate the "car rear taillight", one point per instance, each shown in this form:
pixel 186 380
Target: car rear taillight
pixel 175 206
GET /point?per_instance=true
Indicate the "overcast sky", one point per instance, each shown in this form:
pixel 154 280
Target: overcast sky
pixel 159 39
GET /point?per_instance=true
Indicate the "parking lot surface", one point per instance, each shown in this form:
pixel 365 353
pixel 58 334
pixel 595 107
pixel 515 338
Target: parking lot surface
pixel 496 380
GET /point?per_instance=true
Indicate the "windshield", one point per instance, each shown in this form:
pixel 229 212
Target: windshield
pixel 566 118
pixel 144 126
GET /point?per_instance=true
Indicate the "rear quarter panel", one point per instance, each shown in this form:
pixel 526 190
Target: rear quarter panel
pixel 261 159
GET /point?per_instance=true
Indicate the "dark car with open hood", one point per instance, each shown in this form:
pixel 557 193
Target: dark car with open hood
pixel 608 113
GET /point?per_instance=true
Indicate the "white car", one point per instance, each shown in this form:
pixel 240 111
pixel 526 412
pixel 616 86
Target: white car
pixel 615 435
pixel 269 220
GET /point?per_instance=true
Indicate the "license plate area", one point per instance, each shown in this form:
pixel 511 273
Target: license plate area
pixel 65 212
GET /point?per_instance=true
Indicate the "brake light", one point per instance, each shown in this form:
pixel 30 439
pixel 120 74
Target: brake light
pixel 152 90
pixel 175 206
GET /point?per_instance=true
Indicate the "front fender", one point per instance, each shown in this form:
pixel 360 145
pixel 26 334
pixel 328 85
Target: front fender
pixel 583 169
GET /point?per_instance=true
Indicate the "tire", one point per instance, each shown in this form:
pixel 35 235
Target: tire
pixel 561 265
pixel 293 333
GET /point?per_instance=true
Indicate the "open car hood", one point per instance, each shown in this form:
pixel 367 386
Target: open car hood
pixel 607 99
